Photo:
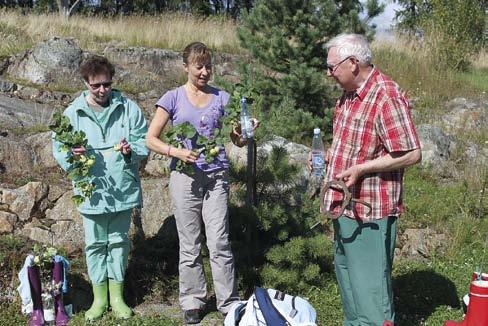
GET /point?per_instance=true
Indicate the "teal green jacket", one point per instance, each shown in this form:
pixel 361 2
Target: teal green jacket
pixel 116 176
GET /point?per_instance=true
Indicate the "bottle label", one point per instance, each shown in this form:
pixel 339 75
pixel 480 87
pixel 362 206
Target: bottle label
pixel 246 127
pixel 318 160
pixel 249 129
pixel 318 163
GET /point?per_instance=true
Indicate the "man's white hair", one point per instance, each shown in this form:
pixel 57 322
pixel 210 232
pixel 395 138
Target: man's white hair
pixel 352 45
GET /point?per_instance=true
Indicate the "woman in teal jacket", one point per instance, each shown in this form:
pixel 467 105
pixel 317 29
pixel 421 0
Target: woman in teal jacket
pixel 115 129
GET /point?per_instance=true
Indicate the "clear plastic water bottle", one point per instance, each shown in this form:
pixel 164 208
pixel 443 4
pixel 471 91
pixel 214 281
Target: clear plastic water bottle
pixel 246 123
pixel 318 154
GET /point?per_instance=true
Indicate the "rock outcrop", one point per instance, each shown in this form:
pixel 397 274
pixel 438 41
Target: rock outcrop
pixel 41 146
pixel 16 156
pixel 55 60
pixel 437 147
pixel 465 115
pixel 420 243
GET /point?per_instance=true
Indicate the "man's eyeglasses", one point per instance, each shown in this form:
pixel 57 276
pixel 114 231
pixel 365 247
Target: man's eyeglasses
pixel 98 85
pixel 332 68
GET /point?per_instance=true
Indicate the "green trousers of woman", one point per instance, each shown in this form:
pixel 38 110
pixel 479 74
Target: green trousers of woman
pixel 107 245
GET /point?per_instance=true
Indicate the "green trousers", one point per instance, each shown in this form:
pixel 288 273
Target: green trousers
pixel 363 257
pixel 107 245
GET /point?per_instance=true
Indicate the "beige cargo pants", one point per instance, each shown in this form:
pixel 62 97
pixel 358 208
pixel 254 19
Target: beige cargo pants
pixel 200 203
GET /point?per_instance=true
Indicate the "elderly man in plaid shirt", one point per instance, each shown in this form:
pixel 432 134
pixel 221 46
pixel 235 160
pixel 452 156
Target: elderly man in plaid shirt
pixel 374 139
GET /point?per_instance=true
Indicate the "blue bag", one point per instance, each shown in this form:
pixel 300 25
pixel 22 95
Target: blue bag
pixel 273 308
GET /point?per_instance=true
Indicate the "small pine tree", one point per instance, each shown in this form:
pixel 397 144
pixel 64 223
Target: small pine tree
pixel 298 264
pixel 286 41
pixel 263 236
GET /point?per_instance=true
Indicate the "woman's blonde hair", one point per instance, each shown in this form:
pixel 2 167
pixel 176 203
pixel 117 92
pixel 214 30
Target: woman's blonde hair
pixel 196 52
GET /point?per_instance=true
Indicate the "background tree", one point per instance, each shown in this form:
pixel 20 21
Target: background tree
pixel 67 8
pixel 452 30
pixel 16 3
pixel 7 3
pixel 285 39
pixel 45 6
pixel 232 8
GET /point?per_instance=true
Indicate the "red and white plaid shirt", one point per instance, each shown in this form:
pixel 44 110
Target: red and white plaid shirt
pixel 369 123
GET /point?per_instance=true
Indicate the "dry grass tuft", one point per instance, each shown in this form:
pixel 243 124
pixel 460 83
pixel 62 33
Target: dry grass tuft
pixel 481 61
pixel 169 31
pixel 412 65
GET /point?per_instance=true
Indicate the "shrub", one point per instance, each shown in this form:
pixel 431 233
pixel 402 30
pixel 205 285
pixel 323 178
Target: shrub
pixel 264 237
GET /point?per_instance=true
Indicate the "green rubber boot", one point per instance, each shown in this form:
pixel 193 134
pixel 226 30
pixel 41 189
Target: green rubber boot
pixel 116 292
pixel 100 302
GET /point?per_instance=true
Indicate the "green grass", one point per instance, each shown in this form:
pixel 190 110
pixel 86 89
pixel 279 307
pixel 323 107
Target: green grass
pixel 476 78
pixel 110 320
pixel 11 314
pixel 34 129
pixel 455 207
pixel 60 85
pixel 431 88
pixel 428 201
pixel 132 88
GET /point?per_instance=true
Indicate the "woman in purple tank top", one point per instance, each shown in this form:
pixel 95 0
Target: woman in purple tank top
pixel 199 199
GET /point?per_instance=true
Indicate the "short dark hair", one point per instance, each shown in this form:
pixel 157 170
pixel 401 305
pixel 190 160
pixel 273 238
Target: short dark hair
pixel 196 52
pixel 95 65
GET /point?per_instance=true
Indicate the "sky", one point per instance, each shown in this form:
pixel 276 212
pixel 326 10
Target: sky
pixel 385 20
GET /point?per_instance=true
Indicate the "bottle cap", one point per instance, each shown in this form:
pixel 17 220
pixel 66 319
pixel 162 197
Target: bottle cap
pixel 316 131
pixel 243 100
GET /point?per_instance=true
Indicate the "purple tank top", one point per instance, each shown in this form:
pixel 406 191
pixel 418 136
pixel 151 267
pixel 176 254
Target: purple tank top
pixel 180 110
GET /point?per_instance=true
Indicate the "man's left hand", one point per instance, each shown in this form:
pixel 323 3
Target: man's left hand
pixel 351 175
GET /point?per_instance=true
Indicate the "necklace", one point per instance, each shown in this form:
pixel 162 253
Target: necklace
pixel 194 90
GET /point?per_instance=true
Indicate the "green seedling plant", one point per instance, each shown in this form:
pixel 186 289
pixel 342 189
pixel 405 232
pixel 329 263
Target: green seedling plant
pixel 210 146
pixel 80 165
pixel 43 255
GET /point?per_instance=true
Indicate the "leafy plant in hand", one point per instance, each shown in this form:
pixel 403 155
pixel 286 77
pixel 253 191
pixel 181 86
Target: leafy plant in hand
pixel 80 165
pixel 210 146
pixel 176 137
